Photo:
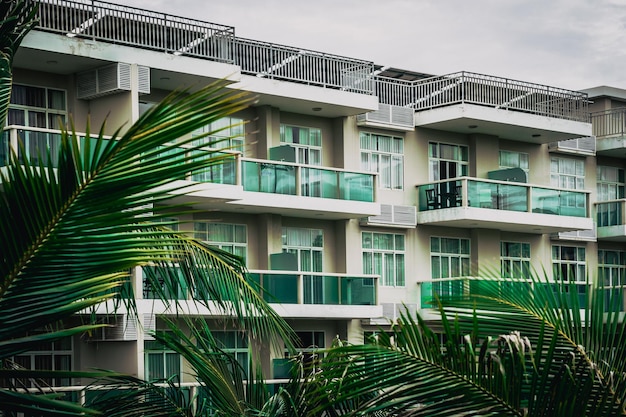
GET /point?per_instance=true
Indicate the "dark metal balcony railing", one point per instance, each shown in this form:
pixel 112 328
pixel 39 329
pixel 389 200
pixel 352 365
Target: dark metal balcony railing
pixel 609 122
pixel 501 195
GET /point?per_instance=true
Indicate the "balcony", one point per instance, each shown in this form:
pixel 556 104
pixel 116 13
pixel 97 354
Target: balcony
pixel 304 190
pixel 89 30
pixel 610 221
pixel 481 104
pixel 300 294
pixel 609 127
pixel 515 207
pixel 242 184
pixel 468 286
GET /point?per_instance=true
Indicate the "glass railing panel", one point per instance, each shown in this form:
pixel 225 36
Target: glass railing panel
pixel 356 186
pixel 280 288
pixel 39 146
pixel 269 177
pixel 223 171
pixel 609 213
pixel 161 282
pixel 440 195
pixel 358 291
pixel 321 289
pixel 315 182
pixel 559 202
pixel 497 196
pixel 5 142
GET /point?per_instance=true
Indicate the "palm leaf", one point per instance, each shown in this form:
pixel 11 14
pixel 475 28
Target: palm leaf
pixel 74 223
pixel 16 20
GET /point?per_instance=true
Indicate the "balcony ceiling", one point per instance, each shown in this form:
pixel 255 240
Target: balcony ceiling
pixel 505 124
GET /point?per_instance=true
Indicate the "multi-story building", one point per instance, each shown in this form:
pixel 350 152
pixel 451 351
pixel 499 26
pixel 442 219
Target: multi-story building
pixel 353 186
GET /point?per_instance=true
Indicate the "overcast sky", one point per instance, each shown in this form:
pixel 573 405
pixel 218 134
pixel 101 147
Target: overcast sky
pixel 573 44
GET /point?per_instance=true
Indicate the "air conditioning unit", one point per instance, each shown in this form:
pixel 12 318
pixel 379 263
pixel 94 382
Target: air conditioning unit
pixel 119 327
pixel 393 216
pixel 110 79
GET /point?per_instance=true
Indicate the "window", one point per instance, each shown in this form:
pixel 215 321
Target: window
pixel 226 133
pixel 38 107
pixel 568 264
pixel 612 273
pixel 384 155
pixel 447 161
pixel 511 159
pixel 515 259
pixel 383 255
pixel 48 356
pixel 610 183
pixel 160 362
pixel 449 258
pixel 612 267
pixel 232 238
pixel 306 140
pixel 234 343
pixel 307 245
pixel 309 342
pixel 567 173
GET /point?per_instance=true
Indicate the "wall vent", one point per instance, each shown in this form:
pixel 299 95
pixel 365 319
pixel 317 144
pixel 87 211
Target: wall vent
pixel 392 117
pixel 581 146
pixel 581 235
pixel 394 216
pixel 119 327
pixel 110 79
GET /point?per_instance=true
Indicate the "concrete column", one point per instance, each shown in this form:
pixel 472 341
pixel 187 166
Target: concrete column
pixel 485 252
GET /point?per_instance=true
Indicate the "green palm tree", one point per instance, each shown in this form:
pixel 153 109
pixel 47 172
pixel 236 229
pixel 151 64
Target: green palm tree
pixel 73 225
pixel 540 350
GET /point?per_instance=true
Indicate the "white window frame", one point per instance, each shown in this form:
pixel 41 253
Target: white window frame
pixel 616 276
pixel 227 133
pixel 308 145
pixel 383 154
pixel 162 353
pixel 562 175
pixel 435 156
pixel 53 353
pixel 440 256
pixel 390 261
pixel 523 159
pixel 610 183
pixel 208 236
pixel 576 267
pixel 306 247
pixel 518 265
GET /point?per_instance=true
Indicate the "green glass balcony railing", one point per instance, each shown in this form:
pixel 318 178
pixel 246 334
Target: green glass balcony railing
pixel 501 195
pixel 455 288
pixel 307 181
pixel 286 287
pixel 610 213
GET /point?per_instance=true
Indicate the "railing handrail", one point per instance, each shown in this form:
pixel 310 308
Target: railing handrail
pixel 340 275
pixel 616 200
pixel 512 183
pixel 54 131
pixel 300 165
pixel 608 112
